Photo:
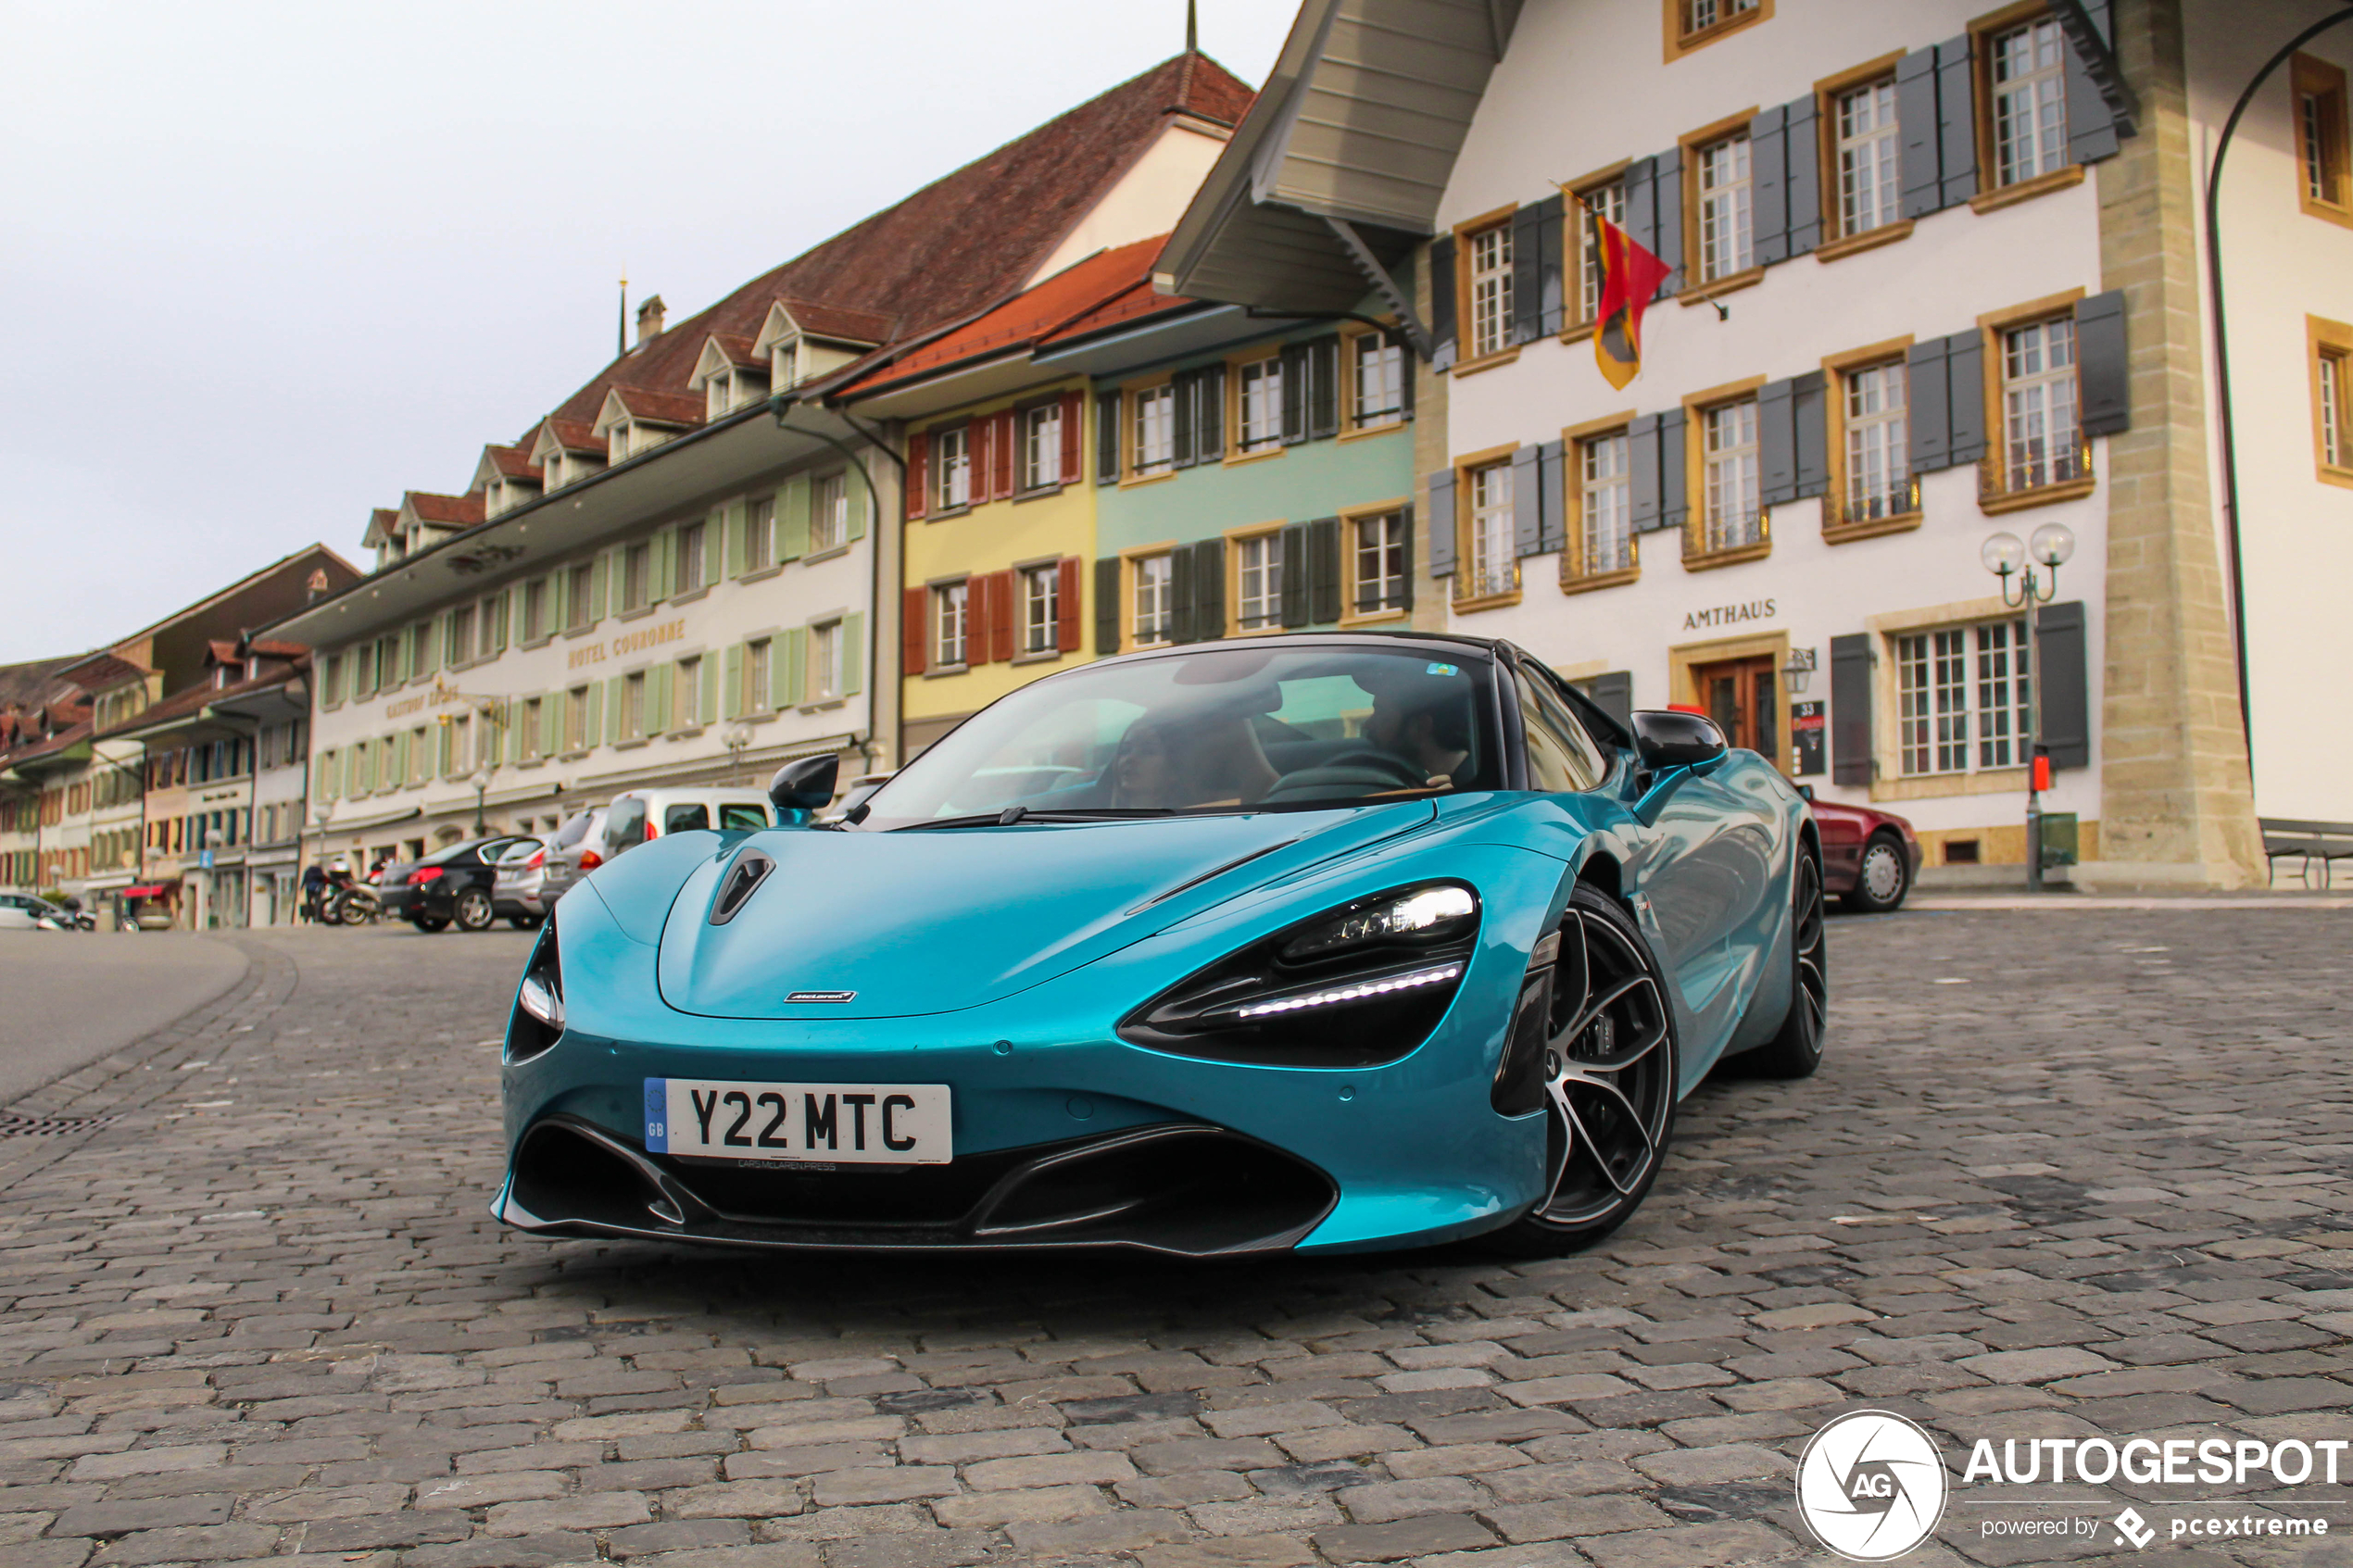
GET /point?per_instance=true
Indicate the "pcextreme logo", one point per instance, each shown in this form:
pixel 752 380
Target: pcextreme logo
pixel 1870 1486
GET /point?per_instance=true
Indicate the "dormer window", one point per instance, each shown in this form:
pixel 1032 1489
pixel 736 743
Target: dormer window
pixel 784 363
pixel 618 441
pixel 719 394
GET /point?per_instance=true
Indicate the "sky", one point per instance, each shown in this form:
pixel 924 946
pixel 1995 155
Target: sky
pixel 265 267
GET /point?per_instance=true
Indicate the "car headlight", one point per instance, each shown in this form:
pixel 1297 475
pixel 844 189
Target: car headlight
pixel 538 1021
pixel 1355 986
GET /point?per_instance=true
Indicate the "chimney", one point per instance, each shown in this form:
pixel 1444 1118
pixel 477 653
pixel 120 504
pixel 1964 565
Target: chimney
pixel 649 319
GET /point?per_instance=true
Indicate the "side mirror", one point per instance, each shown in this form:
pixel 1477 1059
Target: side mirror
pixel 1666 740
pixel 807 785
pixel 1805 793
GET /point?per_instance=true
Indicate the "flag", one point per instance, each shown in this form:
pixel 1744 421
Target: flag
pixel 1630 276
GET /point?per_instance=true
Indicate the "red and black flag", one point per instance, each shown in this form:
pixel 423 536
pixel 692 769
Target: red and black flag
pixel 1630 276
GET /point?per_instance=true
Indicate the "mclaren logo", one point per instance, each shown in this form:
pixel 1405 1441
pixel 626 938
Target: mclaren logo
pixel 1871 1485
pixel 822 996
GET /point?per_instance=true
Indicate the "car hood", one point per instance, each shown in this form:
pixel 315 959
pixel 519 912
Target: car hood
pixel 903 924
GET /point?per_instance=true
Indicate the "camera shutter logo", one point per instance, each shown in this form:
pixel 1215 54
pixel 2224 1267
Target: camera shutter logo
pixel 1871 1485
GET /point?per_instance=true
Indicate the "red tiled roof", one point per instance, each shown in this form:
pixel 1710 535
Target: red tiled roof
pixel 737 348
pixel 1130 304
pixel 271 648
pixel 576 435
pixel 38 681
pixel 57 741
pixel 660 407
pixel 445 511
pixel 221 650
pixel 837 323
pixel 513 462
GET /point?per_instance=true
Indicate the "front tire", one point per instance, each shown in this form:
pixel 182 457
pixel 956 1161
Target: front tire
pixel 475 912
pixel 1796 1050
pixel 1610 1079
pixel 1882 878
pixel 430 923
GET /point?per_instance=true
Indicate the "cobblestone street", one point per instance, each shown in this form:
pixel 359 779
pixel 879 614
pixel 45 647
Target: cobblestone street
pixel 2072 1172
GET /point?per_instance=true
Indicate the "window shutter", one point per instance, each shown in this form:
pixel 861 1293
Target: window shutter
pixel 708 708
pixel 1323 571
pixel 790 673
pixel 853 653
pixel 1441 524
pixel 1552 232
pixel 1295 575
pixel 1441 302
pixel 1107 438
pixel 1409 370
pixel 1851 710
pixel 792 510
pixel 1613 692
pixel 1323 387
pixel 1801 125
pixel 1777 444
pixel 1769 183
pixel 1642 462
pixel 661 693
pixel 665 565
pixel 2091 128
pixel 1527 272
pixel 1180 595
pixel 1965 383
pixel 918 472
pixel 551 724
pixel 1069 596
pixel 1809 412
pixel 602 586
pixel 853 492
pixel 593 725
pixel 1000 616
pixel 2100 365
pixel 1209 411
pixel 915 631
pixel 1073 432
pixel 1184 394
pixel 1294 394
pixel 1528 502
pixel 1921 168
pixel 1674 505
pixel 1007 441
pixel 1554 472
pixel 1405 598
pixel 976 638
pixel 1209 589
pixel 712 532
pixel 979 459
pixel 731 686
pixel 1927 407
pixel 2065 705
pixel 1642 203
pixel 1955 121
pixel 1667 184
pixel 615 703
pixel 734 558
pixel 1107 617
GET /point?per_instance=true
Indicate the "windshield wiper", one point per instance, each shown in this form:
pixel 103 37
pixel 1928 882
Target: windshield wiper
pixel 1012 814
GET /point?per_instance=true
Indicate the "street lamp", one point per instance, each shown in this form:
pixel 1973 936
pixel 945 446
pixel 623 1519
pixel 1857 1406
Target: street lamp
pixel 738 741
pixel 2049 547
pixel 481 780
pixel 1799 672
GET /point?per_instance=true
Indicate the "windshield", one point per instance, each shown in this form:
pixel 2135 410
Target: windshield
pixel 574 830
pixel 1229 728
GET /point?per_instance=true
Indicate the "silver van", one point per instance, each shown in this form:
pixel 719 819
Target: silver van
pixel 640 814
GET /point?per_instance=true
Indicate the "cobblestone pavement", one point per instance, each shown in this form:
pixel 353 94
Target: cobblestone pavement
pixel 2064 1174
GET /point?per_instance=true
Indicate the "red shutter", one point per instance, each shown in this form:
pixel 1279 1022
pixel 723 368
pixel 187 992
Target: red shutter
pixel 915 631
pixel 1066 596
pixel 976 619
pixel 1073 434
pixel 918 473
pixel 1000 616
pixel 1007 437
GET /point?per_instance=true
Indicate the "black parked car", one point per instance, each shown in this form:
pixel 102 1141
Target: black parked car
pixel 452 883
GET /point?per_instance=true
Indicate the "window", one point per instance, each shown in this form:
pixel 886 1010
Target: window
pixel 1041 608
pixel 417 764
pixel 1153 605
pixel 1377 558
pixel 458 736
pixel 387 662
pixel 583 580
pixel 1730 517
pixel 493 621
pixel 637 573
pixel 1377 381
pixel 2332 364
pixel 949 626
pixel 1961 699
pixel 1606 504
pixel 1726 208
pixel 824 661
pixel 1491 290
pixel 534 610
pixel 633 706
pixel 461 634
pixel 1493 568
pixel 760 532
pixel 952 454
pixel 2319 89
pixel 1041 446
pixel 718 394
pixel 2041 441
pixel 829 512
pixel 1561 756
pixel 577 719
pixel 1153 447
pixel 758 655
pixel 617 442
pixel 1693 23
pixel 691 558
pixel 330 685
pixel 784 363
pixel 532 719
pixel 2029 101
pixel 1602 202
pixel 687 712
pixel 1868 152
pixel 1258 598
pixel 1878 470
pixel 1260 425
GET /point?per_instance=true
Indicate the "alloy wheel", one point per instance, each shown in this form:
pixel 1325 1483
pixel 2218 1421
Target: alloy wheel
pixel 1609 1072
pixel 1812 941
pixel 1881 876
pixel 474 910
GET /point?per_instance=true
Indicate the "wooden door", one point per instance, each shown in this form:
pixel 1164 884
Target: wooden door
pixel 1744 695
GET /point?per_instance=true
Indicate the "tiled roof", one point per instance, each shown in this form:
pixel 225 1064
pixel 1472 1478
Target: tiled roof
pixel 56 743
pixel 513 462
pixel 837 323
pixel 445 511
pixel 31 684
pixel 223 651
pixel 1133 303
pixel 271 648
pixel 660 407
pixel 382 520
pixel 737 348
pixel 577 436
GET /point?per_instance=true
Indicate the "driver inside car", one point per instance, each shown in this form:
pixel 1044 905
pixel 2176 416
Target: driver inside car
pixel 1422 720
pixel 1200 759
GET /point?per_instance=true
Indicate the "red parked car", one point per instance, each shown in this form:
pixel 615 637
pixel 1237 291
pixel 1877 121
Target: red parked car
pixel 1869 856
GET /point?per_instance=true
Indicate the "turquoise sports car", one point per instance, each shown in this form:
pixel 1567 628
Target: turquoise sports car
pixel 1323 942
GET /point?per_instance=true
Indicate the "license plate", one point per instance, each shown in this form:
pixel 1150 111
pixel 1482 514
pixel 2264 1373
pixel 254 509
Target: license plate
pixel 799 1124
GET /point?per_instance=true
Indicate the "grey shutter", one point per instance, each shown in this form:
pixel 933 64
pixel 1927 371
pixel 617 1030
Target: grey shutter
pixel 1441 302
pixel 1555 526
pixel 1295 576
pixel 1927 406
pixel 2091 128
pixel 1803 131
pixel 1550 233
pixel 1667 186
pixel 1107 585
pixel 2106 391
pixel 1921 168
pixel 1294 394
pixel 1965 394
pixel 1107 438
pixel 1809 411
pixel 1768 185
pixel 1642 462
pixel 1406 601
pixel 1323 387
pixel 1673 504
pixel 1614 693
pixel 1777 444
pixel 1955 122
pixel 1184 394
pixel 1408 367
pixel 1323 571
pixel 1528 257
pixel 2066 709
pixel 1209 414
pixel 1642 203
pixel 1209 590
pixel 1441 524
pixel 1180 595
pixel 1851 710
pixel 1528 502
